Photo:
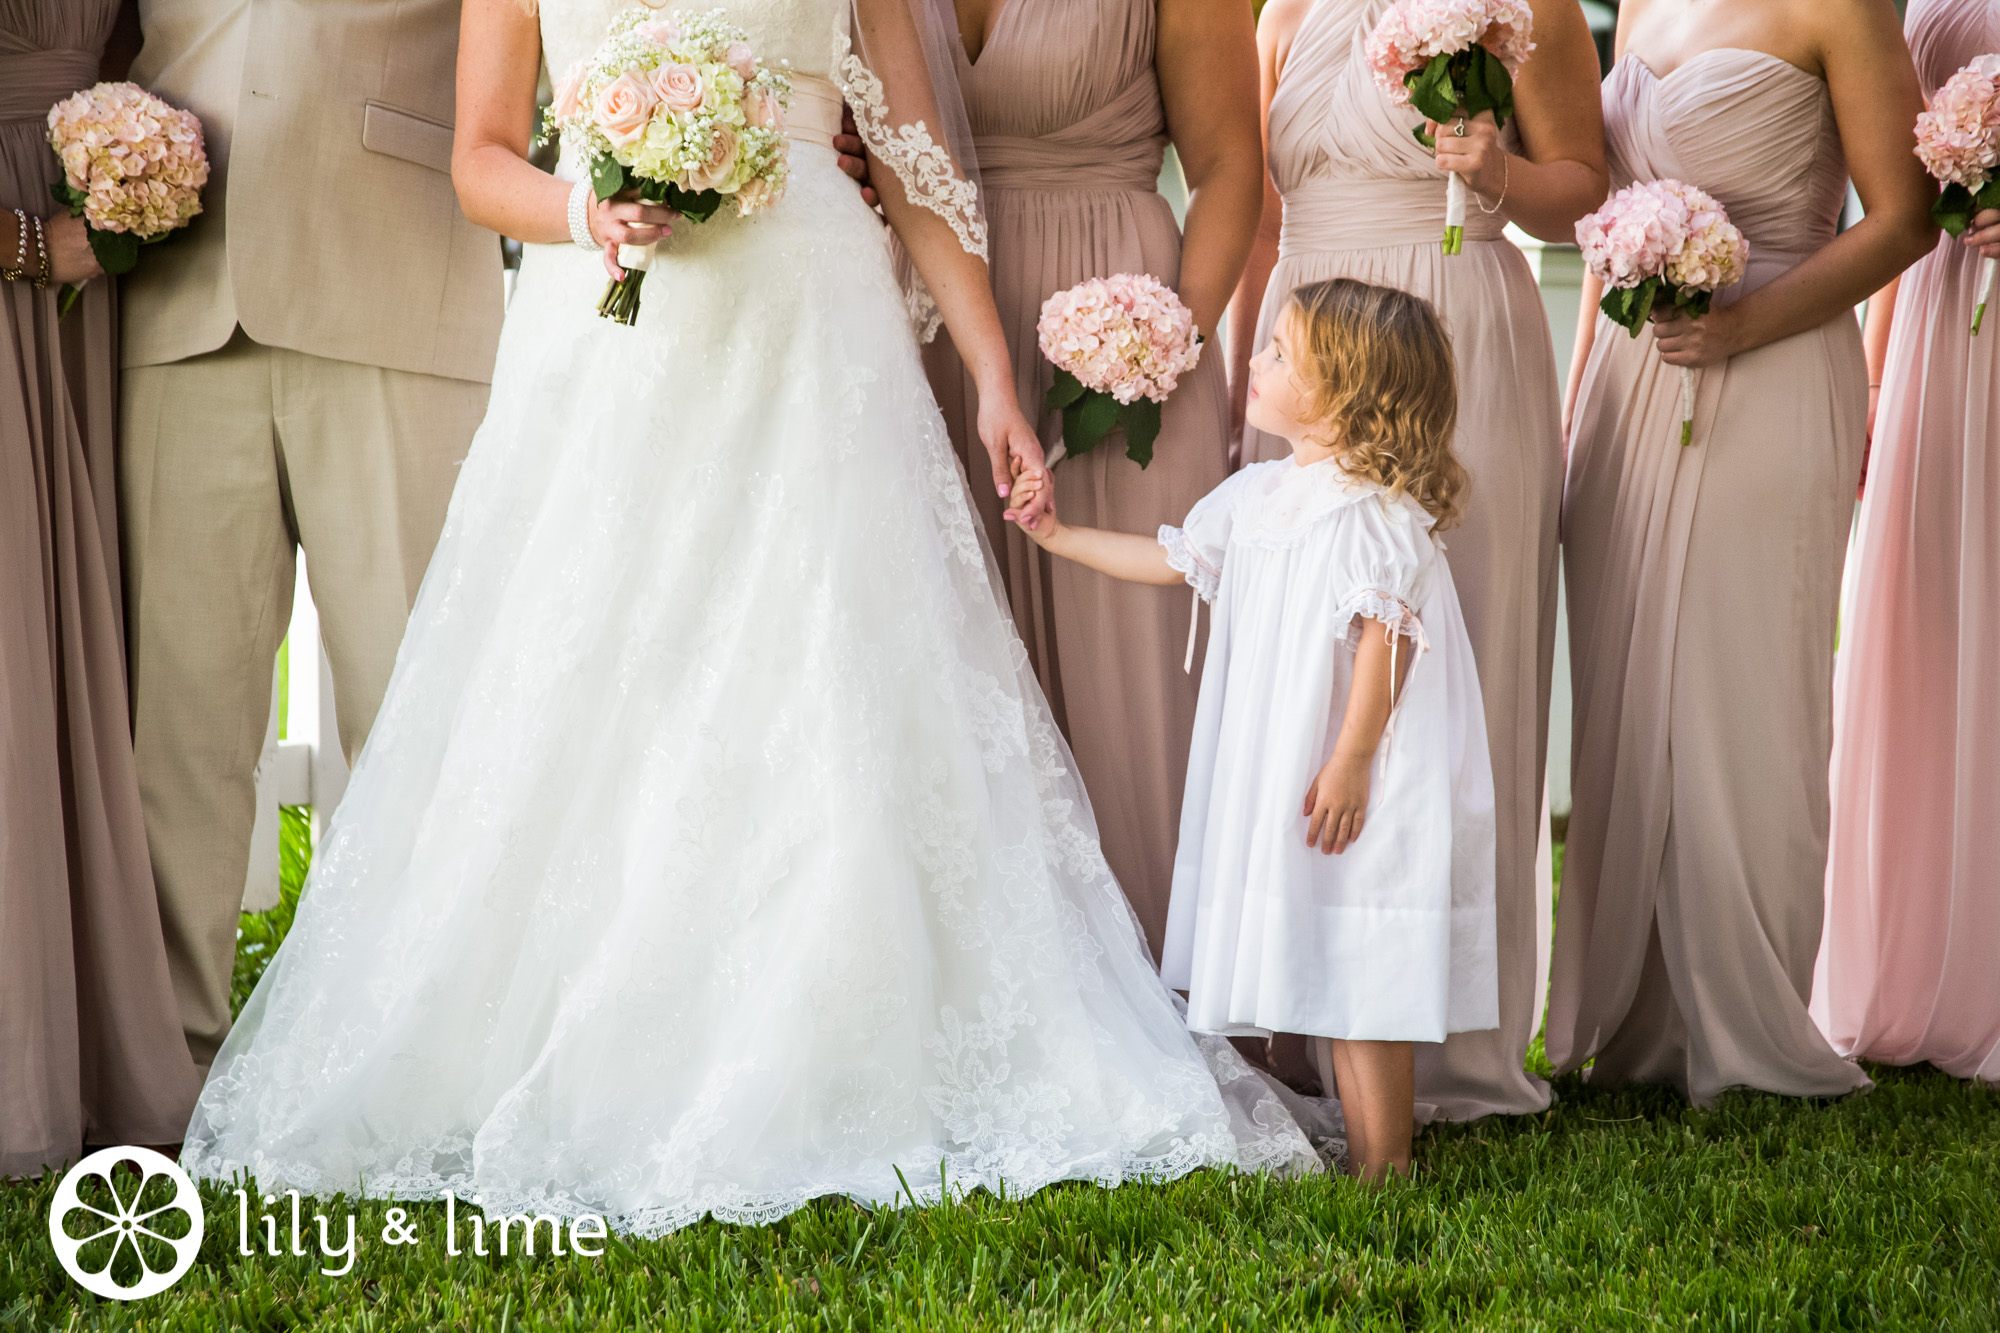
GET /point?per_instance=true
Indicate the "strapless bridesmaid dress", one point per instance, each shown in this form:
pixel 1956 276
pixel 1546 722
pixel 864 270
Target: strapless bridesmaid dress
pixel 1909 969
pixel 1703 584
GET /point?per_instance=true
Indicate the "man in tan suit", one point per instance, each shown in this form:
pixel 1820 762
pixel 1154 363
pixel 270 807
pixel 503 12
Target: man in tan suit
pixel 305 367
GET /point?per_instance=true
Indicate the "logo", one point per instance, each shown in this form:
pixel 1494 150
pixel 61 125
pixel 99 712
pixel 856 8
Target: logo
pixel 130 1235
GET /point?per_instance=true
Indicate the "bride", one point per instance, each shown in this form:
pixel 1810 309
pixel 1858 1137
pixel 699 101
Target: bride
pixel 714 849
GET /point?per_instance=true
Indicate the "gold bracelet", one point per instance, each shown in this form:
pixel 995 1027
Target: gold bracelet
pixel 1506 180
pixel 15 273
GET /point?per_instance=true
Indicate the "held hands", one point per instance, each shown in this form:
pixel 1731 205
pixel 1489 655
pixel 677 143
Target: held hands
pixel 1036 492
pixel 71 259
pixel 625 220
pixel 1016 454
pixel 1695 342
pixel 1337 803
pixel 853 161
pixel 1984 233
pixel 1477 156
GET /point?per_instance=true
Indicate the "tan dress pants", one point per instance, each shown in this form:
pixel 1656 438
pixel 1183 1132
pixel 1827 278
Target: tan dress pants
pixel 230 461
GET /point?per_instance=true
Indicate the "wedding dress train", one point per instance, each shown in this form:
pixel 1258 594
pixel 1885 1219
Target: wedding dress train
pixel 714 849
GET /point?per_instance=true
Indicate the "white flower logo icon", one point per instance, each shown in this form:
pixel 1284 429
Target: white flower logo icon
pixel 105 1229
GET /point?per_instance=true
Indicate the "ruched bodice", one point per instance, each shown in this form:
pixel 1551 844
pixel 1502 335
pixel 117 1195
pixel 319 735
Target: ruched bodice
pixel 1755 131
pixel 1945 35
pixel 1343 153
pixel 1064 97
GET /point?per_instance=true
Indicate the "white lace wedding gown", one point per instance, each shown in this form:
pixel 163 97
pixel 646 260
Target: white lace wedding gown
pixel 714 849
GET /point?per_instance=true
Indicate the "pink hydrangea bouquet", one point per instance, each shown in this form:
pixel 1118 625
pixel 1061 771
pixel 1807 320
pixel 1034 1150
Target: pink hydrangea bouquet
pixel 680 110
pixel 1958 141
pixel 133 168
pixel 1662 240
pixel 1120 345
pixel 1443 55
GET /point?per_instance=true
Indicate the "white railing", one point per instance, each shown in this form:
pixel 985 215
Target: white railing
pixel 307 767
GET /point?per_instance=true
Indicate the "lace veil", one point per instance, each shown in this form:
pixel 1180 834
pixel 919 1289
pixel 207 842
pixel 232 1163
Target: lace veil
pixel 896 63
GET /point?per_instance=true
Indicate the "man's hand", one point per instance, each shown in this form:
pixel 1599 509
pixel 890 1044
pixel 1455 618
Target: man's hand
pixel 847 143
pixel 1337 804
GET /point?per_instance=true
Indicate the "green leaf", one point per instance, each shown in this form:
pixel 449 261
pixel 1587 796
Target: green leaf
pixel 607 176
pixel 69 197
pixel 1954 208
pixel 1643 297
pixel 694 205
pixel 1066 390
pixel 1141 420
pixel 1088 420
pixel 1432 92
pixel 1988 195
pixel 116 251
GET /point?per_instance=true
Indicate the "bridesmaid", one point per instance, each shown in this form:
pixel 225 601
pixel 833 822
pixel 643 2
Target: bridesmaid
pixel 1907 969
pixel 1073 103
pixel 1361 198
pixel 1703 581
pixel 90 1038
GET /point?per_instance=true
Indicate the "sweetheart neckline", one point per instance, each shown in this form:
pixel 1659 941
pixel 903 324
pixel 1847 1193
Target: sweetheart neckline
pixel 1717 51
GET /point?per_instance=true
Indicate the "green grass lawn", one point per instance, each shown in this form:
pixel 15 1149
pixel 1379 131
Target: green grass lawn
pixel 1616 1210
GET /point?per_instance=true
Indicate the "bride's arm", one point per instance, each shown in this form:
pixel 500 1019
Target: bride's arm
pixel 499 60
pixel 958 278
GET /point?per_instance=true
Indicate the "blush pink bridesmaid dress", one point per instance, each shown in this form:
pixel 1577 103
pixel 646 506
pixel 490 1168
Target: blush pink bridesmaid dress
pixel 1070 131
pixel 1702 586
pixel 1909 968
pixel 1363 199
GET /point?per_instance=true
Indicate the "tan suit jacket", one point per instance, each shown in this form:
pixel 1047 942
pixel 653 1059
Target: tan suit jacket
pixel 330 224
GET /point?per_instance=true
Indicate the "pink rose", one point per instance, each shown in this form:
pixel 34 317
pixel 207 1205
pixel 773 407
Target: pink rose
pixel 679 88
pixel 567 103
pixel 661 32
pixel 762 109
pixel 714 173
pixel 624 108
pixel 739 57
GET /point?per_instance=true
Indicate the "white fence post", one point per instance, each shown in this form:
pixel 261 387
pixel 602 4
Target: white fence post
pixel 305 768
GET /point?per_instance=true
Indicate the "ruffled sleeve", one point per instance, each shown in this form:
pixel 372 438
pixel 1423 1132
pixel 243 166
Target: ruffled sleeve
pixel 1196 547
pixel 1389 560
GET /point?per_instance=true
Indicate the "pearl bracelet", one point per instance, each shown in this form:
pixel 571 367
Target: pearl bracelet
pixel 579 217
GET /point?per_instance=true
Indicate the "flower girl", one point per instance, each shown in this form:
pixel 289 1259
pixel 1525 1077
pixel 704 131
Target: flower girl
pixel 1335 869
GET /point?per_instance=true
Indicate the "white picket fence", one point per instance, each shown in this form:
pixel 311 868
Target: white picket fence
pixel 307 766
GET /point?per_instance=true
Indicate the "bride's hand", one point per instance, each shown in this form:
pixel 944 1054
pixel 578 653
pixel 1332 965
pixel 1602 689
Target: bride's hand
pixel 1013 448
pixel 626 220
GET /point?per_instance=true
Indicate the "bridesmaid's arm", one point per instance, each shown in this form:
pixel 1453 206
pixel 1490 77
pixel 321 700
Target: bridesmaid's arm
pixel 1276 27
pixel 1206 59
pixel 1875 331
pixel 1559 174
pixel 1586 338
pixel 1875 105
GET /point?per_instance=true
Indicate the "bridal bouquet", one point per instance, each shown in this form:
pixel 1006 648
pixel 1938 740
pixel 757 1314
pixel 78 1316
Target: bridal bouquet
pixel 681 110
pixel 1958 141
pixel 133 168
pixel 1120 345
pixel 1443 55
pixel 1662 240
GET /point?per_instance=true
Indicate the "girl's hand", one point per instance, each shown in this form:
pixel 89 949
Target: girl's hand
pixel 625 220
pixel 1984 233
pixel 71 259
pixel 1013 448
pixel 1476 156
pixel 1034 491
pixel 1695 342
pixel 1337 804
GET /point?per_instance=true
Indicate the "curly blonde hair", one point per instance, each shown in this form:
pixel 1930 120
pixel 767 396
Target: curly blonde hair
pixel 1379 371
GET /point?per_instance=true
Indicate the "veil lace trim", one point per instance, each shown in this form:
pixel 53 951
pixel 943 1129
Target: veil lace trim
pixel 922 165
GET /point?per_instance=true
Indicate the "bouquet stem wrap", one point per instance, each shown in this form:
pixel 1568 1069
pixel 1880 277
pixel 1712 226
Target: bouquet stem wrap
pixel 1454 214
pixel 1687 406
